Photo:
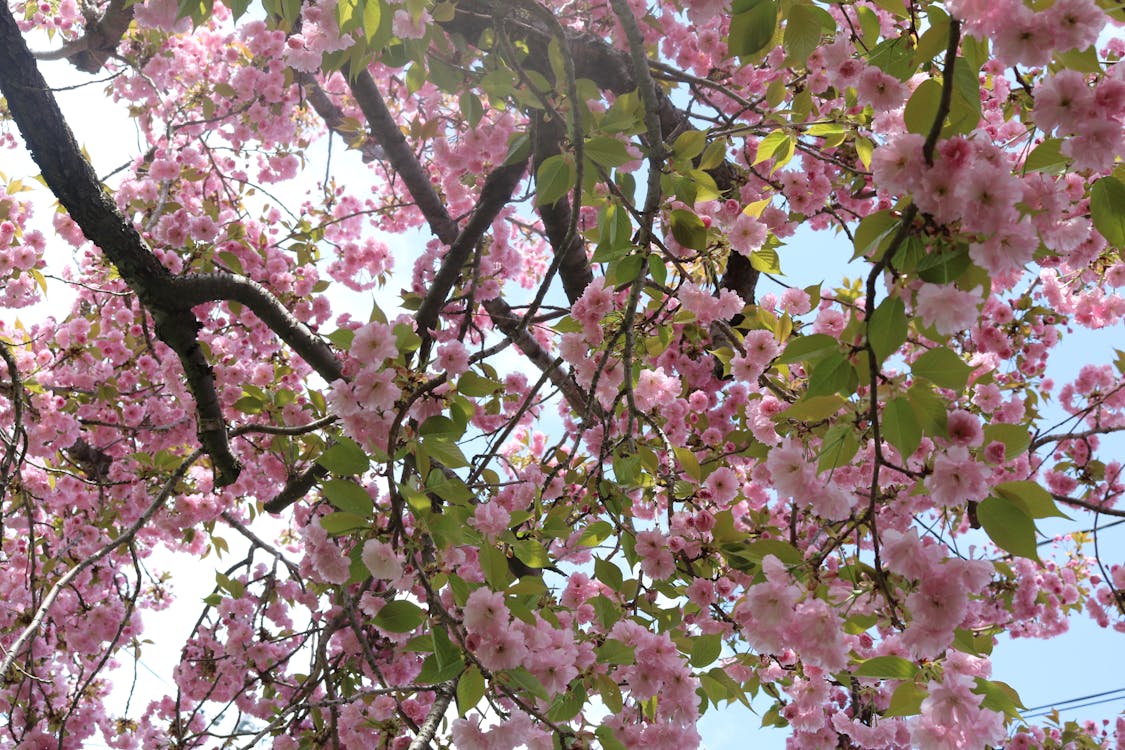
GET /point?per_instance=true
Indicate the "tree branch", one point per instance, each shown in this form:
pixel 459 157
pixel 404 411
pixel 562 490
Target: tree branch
pixel 333 117
pixel 90 52
pixel 215 287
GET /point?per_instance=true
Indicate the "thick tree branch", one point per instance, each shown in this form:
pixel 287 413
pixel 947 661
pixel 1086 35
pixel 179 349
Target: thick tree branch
pixel 334 119
pixel 167 298
pixel 73 181
pixel 430 726
pixel 90 52
pixel 610 69
pixel 494 195
pixel 574 267
pixel 402 158
pixel 214 287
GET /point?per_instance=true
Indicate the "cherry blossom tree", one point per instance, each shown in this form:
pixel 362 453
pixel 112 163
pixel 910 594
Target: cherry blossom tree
pixel 598 469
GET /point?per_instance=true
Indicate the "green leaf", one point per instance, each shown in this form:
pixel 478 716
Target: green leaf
pixel 471 108
pixel 688 229
pixel 689 144
pixel 238 7
pixel 613 651
pixel 473 385
pixel 348 496
pixel 838 447
pixel 900 427
pixel 964 109
pixel 608 573
pixel 765 260
pixel 943 267
pixel 340 523
pixel 554 179
pixel 833 374
pixel 688 461
pixel 752 27
pixel 1033 499
pixel 1008 526
pixel 347 19
pixel 811 348
pixel 887 668
pixel 802 32
pixel 1047 157
pixel 399 616
pixel 494 565
pixel 595 534
pixel 922 107
pixel 769 145
pixel 814 409
pixel 372 19
pixel 929 408
pixel 871 231
pixel 783 551
pixel 447 453
pixel 886 331
pixel 705 649
pixel 1015 438
pixel 568 705
pixel 1082 60
pixel 441 427
pixel 1107 209
pixel 906 700
pixel 470 690
pixel 606 152
pixel 942 368
pixel 605 733
pixel 999 696
pixel 531 553
pixel 894 57
pixel 527 682
pixel 344 458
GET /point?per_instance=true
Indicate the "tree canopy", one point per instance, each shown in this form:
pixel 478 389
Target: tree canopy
pixel 556 454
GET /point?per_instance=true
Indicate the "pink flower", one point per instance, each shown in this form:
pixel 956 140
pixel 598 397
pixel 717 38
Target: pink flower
pixel 1076 23
pixel 1062 100
pixel 723 484
pixel 957 478
pixel 655 388
pixel 382 560
pixel 946 308
pixel 882 91
pixel 747 234
pixel 485 612
pixel 491 519
pixel 897 166
pixel 373 343
pixel 964 428
pixel 453 358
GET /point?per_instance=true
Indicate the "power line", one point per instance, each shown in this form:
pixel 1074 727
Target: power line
pixel 1117 694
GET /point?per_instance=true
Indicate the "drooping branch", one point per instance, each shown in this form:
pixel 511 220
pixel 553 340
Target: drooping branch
pixel 167 298
pixel 510 324
pixel 124 537
pixel 213 287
